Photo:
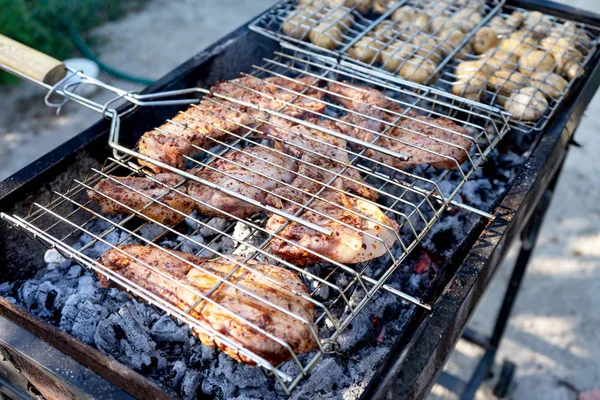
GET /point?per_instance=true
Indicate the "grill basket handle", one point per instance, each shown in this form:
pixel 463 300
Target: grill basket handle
pixel 25 62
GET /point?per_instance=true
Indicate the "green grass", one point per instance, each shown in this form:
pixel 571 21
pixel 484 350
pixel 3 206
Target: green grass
pixel 37 23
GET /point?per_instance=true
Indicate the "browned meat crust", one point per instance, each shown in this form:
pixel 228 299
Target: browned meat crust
pixel 439 142
pixel 361 232
pixel 217 118
pixel 280 286
pixel 121 196
pixel 252 172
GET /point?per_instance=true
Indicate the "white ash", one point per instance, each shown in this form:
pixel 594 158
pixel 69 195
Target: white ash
pixel 137 335
pixel 246 240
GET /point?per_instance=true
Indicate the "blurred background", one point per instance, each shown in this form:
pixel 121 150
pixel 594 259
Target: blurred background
pixel 554 332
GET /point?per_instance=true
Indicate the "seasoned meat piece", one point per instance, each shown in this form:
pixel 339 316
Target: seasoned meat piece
pixel 120 197
pixel 439 142
pixel 316 148
pixel 193 275
pixel 163 147
pixel 190 130
pixel 276 93
pixel 252 172
pixel 218 118
pixel 366 104
pixel 361 232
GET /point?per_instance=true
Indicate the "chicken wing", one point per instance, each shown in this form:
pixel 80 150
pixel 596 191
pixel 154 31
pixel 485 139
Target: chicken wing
pixel 230 310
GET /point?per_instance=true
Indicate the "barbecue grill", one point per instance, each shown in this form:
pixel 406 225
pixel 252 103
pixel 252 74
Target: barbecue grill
pixel 60 215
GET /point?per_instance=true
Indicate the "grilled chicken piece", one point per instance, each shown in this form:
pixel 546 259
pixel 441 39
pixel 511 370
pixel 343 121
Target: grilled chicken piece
pixel 277 94
pixel 439 142
pixel 191 130
pixel 192 275
pixel 314 147
pixel 251 171
pixel 119 195
pixel 361 232
pixel 216 118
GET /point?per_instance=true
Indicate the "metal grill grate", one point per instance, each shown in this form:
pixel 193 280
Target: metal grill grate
pixel 412 198
pixel 410 39
pixel 535 36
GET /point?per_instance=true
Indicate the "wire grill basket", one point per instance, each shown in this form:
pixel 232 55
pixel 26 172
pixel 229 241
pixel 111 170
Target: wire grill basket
pixel 404 200
pixel 530 46
pixel 410 39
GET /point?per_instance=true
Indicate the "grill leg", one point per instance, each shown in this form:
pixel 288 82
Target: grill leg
pixel 490 344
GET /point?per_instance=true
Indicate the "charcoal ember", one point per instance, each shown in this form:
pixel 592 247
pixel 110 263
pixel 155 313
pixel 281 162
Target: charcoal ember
pixel 318 290
pixel 88 286
pixel 194 245
pixel 166 330
pixel 80 318
pixel 228 375
pixel 6 288
pixel 191 220
pixel 214 226
pixel 27 293
pixel 254 394
pixel 247 240
pixel 55 259
pixel 224 245
pixel 475 192
pixel 48 299
pixel 322 381
pixel 199 356
pixel 362 327
pixel 124 336
pixel 150 231
pixel 148 314
pixel 176 374
pixel 74 271
pixel 190 383
pixel 99 247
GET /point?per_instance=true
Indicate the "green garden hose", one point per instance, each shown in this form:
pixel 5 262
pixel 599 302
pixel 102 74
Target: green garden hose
pixel 87 53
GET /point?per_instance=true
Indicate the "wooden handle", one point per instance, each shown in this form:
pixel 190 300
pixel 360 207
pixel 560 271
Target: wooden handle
pixel 32 63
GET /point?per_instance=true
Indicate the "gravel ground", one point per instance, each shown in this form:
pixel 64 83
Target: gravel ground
pixel 554 332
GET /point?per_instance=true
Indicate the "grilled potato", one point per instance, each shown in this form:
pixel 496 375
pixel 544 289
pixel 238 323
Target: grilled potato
pixel 500 59
pixel 367 49
pixel 417 69
pixel 515 20
pixel 395 54
pixel 299 23
pixel 536 61
pixel 471 87
pixel 550 84
pixel 538 23
pixel 504 81
pixel 451 39
pixel 326 36
pixel 466 69
pixel 528 104
pixel 500 26
pixel 468 18
pixel 485 39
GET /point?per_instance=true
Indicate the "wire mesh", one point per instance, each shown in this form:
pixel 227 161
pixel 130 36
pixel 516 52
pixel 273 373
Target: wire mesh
pixel 307 134
pixel 526 63
pixel 409 39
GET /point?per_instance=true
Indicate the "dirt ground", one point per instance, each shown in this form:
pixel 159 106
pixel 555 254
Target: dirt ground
pixel 554 331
